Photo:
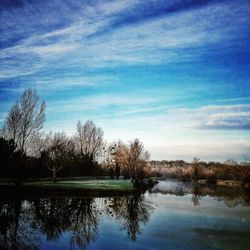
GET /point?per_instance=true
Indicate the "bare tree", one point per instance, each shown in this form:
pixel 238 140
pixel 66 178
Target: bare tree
pixel 55 156
pixel 89 141
pixel 12 123
pixel 38 143
pixel 231 162
pixel 25 119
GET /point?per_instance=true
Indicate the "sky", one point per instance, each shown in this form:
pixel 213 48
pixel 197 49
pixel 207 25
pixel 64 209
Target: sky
pixel 175 74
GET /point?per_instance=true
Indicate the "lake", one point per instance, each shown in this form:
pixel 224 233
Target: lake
pixel 173 215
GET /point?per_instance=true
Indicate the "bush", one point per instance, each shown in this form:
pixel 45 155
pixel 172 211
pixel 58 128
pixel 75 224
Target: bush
pixel 184 175
pixel 196 171
pixel 245 177
pixel 211 178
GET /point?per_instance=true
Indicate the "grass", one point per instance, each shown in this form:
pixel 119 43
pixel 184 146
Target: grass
pixel 78 178
pixel 86 184
pixel 70 186
pixel 74 186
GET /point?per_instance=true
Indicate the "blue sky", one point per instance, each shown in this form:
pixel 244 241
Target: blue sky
pixel 175 74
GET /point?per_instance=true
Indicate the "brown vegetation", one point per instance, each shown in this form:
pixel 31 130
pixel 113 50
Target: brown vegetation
pixel 210 172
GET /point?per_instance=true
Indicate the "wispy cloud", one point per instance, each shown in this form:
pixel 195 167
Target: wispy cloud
pixel 136 67
pixel 99 101
pixel 224 117
pixel 167 132
pixel 89 34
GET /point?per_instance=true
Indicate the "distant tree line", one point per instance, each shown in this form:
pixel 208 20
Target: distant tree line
pixel 200 170
pixel 27 151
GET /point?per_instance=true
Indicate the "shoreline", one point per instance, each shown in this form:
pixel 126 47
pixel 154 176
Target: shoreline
pixel 7 190
pixel 73 186
pixel 226 183
pixel 10 191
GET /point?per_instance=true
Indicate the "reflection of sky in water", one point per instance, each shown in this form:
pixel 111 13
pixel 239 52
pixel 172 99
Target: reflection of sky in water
pixel 207 206
pixel 209 225
pixel 192 218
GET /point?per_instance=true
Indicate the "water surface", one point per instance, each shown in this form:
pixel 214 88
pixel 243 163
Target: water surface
pixel 173 215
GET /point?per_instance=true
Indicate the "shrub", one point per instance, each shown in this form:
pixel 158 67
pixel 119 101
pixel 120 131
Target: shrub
pixel 211 178
pixel 245 177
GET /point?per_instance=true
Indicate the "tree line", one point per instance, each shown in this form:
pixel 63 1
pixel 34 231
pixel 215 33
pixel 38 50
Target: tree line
pixel 27 151
pixel 200 170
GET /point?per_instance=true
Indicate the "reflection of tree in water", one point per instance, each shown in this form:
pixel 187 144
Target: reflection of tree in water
pixel 131 212
pixel 76 215
pixel 195 196
pixel 52 215
pixel 23 223
pixel 231 201
pixel 231 196
pixel 84 218
pixel 15 231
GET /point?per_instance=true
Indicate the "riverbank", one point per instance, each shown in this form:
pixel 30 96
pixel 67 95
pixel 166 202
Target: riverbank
pixel 229 183
pixel 76 187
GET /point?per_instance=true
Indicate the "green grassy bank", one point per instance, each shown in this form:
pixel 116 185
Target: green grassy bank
pixel 69 186
pixel 84 184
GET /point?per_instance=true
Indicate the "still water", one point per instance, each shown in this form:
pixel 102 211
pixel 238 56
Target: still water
pixel 173 215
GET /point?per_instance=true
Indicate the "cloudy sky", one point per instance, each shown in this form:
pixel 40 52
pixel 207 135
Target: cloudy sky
pixel 173 73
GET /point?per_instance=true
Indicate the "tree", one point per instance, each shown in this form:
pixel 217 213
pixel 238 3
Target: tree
pixel 12 161
pixel 89 141
pixel 231 162
pixel 56 155
pixel 137 162
pixel 25 119
pixel 118 154
pixel 105 157
pixel 117 170
pixel 7 149
pixel 196 168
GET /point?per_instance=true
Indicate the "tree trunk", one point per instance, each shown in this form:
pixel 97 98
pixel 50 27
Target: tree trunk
pixel 54 175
